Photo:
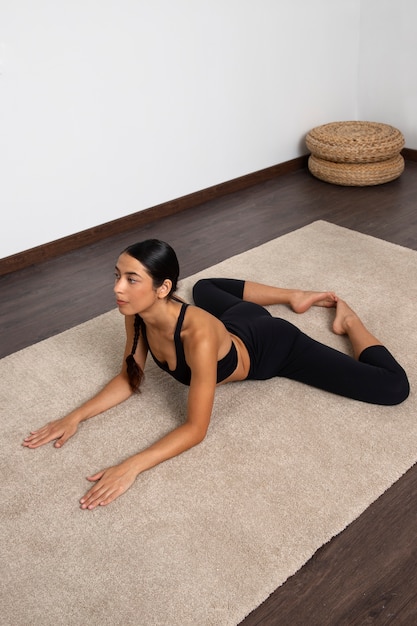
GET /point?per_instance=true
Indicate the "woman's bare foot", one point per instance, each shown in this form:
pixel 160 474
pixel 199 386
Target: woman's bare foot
pixel 301 301
pixel 345 316
pixel 348 323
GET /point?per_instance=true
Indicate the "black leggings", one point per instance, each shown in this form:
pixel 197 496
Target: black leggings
pixel 278 348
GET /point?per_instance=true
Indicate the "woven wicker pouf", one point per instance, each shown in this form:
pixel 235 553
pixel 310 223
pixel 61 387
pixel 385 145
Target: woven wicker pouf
pixel 356 174
pixel 355 153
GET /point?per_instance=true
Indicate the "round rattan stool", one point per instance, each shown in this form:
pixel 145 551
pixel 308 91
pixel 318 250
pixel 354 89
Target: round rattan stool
pixel 355 153
pixel 355 142
pixel 356 174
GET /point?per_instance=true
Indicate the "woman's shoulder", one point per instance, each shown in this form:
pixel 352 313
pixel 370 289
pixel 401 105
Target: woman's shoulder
pixel 198 323
pixel 194 314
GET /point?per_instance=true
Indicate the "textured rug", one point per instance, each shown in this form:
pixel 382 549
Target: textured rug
pixel 206 537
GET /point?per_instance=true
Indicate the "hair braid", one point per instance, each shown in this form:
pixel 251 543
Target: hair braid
pixel 134 372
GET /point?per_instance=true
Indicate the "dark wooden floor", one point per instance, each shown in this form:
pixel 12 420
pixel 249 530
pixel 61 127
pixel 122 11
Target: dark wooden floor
pixel 367 574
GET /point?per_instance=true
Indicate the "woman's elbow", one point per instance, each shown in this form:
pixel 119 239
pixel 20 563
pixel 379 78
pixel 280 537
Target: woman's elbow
pixel 197 435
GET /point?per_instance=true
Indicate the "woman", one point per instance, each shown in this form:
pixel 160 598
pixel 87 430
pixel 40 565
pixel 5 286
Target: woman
pixel 229 336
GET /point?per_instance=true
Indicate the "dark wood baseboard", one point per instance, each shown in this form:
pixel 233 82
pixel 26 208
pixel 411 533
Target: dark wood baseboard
pixel 409 154
pixel 141 218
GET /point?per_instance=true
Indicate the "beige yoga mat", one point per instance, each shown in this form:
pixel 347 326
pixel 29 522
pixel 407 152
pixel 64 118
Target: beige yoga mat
pixel 206 537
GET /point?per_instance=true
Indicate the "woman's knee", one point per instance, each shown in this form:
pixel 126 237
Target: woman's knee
pixel 200 290
pixel 400 389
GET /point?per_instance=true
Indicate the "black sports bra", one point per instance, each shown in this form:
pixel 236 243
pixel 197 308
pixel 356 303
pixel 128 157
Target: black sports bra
pixel 225 367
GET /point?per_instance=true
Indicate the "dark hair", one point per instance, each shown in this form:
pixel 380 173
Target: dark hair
pixel 161 263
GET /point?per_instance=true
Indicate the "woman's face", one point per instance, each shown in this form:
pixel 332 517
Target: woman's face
pixel 133 286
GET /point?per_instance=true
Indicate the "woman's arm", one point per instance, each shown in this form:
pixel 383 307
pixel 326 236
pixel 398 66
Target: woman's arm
pixel 60 430
pixel 201 350
pixel 116 391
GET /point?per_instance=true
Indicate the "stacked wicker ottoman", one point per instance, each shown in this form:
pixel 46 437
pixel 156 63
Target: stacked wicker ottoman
pixel 355 153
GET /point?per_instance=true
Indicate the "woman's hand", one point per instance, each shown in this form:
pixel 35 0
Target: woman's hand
pixel 110 484
pixel 59 430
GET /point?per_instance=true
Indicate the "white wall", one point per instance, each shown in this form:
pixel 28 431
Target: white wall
pixel 109 107
pixel 388 65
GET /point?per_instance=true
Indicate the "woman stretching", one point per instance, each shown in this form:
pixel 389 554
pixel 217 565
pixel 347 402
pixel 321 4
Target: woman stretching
pixel 228 336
